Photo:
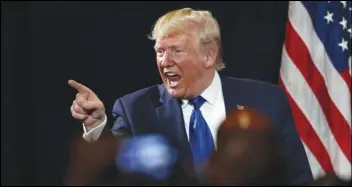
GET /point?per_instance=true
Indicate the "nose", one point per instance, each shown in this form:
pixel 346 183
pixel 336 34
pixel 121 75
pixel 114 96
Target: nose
pixel 166 60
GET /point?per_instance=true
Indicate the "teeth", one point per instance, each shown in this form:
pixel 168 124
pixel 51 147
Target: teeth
pixel 170 74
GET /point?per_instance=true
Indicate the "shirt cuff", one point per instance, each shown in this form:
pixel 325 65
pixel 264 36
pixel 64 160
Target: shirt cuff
pixel 94 133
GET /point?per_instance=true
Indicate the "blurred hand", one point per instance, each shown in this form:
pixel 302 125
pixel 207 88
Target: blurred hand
pixel 92 164
pixel 87 107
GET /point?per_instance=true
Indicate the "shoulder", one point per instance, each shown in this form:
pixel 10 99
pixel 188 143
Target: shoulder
pixel 148 94
pixel 144 92
pixel 253 86
pixel 269 98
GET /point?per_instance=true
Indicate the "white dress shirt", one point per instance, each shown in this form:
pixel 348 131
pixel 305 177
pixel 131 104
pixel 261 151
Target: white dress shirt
pixel 213 111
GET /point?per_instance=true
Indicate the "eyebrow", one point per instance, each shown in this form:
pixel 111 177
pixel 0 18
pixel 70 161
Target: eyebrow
pixel 173 46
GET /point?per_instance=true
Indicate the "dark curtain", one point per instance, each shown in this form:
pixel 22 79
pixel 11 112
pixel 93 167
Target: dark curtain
pixel 105 46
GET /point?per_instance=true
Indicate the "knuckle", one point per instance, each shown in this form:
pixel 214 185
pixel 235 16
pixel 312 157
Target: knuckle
pixel 77 116
pixel 75 107
pixel 80 101
pixel 74 114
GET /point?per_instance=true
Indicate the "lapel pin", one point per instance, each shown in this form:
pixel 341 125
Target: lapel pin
pixel 240 107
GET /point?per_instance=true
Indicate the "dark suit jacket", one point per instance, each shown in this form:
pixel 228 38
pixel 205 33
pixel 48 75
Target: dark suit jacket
pixel 153 110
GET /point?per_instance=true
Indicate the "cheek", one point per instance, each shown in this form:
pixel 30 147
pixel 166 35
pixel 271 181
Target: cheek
pixel 158 64
pixel 159 68
pixel 189 73
pixel 190 69
pixel 158 61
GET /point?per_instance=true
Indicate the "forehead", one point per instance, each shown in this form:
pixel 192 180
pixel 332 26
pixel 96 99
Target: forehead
pixel 175 39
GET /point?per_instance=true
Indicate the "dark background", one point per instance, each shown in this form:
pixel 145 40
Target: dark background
pixel 105 46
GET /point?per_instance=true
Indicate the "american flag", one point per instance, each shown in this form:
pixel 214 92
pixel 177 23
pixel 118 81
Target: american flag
pixel 316 76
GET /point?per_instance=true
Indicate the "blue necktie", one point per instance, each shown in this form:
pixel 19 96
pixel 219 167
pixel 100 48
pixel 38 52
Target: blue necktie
pixel 201 139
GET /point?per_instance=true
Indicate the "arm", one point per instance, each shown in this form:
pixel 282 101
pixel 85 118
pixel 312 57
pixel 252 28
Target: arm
pixel 119 128
pixel 121 125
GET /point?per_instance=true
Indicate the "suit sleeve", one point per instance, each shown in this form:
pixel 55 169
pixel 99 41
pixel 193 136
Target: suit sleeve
pixel 121 127
pixel 297 167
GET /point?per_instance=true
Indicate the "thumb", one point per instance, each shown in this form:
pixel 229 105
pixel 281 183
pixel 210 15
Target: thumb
pixel 82 98
pixel 90 105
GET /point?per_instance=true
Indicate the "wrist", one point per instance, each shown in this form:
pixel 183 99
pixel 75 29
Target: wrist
pixel 96 124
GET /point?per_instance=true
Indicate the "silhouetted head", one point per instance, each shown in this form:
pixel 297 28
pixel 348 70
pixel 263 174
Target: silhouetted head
pixel 248 153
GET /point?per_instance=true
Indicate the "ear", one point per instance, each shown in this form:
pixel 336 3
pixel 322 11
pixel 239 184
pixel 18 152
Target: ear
pixel 210 54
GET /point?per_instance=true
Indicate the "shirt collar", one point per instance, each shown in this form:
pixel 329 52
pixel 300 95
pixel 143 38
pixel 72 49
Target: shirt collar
pixel 210 93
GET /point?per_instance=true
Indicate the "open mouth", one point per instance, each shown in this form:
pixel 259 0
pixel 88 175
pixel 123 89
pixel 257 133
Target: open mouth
pixel 173 79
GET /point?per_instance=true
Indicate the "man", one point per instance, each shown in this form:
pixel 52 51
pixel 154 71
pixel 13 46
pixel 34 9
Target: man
pixel 194 99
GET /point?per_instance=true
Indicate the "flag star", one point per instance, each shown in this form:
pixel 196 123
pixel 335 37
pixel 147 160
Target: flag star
pixel 343 22
pixel 343 45
pixel 343 3
pixel 328 17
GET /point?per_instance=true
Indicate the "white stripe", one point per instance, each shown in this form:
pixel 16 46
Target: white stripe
pixel 337 87
pixel 315 166
pixel 305 99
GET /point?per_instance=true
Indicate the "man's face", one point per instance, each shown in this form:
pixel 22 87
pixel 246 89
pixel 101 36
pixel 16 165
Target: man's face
pixel 180 64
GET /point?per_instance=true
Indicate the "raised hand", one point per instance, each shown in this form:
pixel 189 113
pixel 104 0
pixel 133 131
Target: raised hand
pixel 87 107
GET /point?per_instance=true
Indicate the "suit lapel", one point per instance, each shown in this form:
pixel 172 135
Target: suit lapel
pixel 171 124
pixel 170 117
pixel 232 94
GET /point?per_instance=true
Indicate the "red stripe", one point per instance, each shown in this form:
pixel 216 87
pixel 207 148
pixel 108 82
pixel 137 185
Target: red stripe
pixel 308 135
pixel 347 77
pixel 299 54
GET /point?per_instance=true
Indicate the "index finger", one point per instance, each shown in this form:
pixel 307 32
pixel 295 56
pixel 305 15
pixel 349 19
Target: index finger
pixel 78 86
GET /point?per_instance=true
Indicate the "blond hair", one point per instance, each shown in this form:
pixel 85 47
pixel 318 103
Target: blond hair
pixel 177 20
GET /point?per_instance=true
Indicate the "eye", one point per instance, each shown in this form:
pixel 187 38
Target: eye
pixel 159 52
pixel 178 51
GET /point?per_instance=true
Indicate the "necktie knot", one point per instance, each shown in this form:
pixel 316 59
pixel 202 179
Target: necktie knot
pixel 197 102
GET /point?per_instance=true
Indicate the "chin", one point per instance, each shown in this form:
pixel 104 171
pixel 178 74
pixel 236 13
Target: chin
pixel 175 92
